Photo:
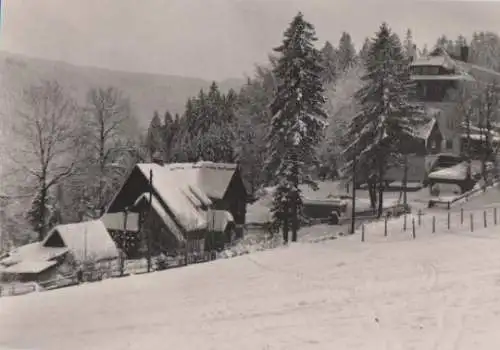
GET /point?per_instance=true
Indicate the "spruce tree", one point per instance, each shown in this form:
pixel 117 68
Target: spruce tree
pixel 298 121
pixel 365 50
pixel 155 141
pixel 346 53
pixel 168 134
pixel 329 60
pixel 386 118
pixel 408 44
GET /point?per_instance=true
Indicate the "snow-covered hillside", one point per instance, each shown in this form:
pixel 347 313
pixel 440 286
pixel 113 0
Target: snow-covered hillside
pixel 439 291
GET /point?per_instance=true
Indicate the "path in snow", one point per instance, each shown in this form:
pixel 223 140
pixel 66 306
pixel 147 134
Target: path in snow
pixel 436 292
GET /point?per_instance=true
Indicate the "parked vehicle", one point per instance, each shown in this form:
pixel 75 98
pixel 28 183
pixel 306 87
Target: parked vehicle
pixel 326 210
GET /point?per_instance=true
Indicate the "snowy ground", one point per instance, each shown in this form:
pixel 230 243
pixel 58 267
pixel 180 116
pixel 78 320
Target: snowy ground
pixel 439 291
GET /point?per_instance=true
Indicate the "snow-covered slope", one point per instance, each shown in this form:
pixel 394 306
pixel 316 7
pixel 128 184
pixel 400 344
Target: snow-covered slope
pixel 439 291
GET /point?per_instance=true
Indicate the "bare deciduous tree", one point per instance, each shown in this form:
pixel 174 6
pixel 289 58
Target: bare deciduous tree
pixel 108 120
pixel 45 128
pixel 489 102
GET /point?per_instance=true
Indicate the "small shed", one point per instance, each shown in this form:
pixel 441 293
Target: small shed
pixel 62 252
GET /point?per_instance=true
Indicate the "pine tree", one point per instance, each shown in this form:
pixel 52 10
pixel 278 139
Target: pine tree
pixel 298 121
pixel 346 53
pixel 386 118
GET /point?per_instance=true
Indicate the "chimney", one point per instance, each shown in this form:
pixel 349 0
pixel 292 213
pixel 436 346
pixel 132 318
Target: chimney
pixel 464 53
pixel 157 158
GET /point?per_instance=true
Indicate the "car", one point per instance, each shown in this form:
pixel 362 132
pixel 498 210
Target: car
pixel 325 210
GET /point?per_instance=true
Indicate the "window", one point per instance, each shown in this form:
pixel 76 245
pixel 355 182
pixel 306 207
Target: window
pixel 425 70
pixel 430 70
pixel 416 70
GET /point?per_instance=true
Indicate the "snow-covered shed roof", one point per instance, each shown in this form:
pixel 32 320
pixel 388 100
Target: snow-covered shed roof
pixel 88 239
pixel 29 266
pixel 424 130
pixel 32 252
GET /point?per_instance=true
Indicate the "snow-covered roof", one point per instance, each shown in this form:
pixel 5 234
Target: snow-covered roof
pixel 460 77
pixel 436 59
pixel 465 70
pixel 424 131
pixel 187 187
pixel 166 218
pixel 29 266
pixel 89 239
pixel 218 220
pixel 457 172
pixel 32 252
pixel 179 190
pixel 478 137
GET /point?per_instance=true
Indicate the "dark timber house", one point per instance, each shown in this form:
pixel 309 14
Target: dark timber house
pixel 202 202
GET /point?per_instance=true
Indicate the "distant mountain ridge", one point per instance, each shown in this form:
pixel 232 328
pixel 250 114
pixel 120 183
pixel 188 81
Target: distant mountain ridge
pixel 147 92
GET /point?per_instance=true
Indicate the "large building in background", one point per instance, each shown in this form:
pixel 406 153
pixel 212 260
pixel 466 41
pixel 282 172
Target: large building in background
pixel 439 77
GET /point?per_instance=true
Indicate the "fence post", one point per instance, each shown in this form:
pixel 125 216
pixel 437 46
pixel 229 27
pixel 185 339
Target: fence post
pixel 385 224
pixel 413 228
pixel 404 223
pixel 362 232
pixel 485 219
pixel 471 222
pixel 419 217
pixel 495 216
pixel 449 219
pixel 433 224
pixel 461 216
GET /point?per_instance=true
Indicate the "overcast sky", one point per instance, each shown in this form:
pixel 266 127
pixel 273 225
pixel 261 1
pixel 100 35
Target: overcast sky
pixel 213 39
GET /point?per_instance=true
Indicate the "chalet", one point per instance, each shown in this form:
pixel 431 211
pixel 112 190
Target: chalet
pixel 438 76
pixel 202 202
pixel 63 251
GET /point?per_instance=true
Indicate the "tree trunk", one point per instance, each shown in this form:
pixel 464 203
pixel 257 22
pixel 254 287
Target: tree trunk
pixel 380 199
pixel 42 212
pixel 372 191
pixel 381 188
pixel 286 227
pixel 295 198
pixel 295 219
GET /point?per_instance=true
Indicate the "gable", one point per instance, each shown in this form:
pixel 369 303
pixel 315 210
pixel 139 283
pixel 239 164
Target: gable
pixel 54 240
pixel 135 184
pixel 237 186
